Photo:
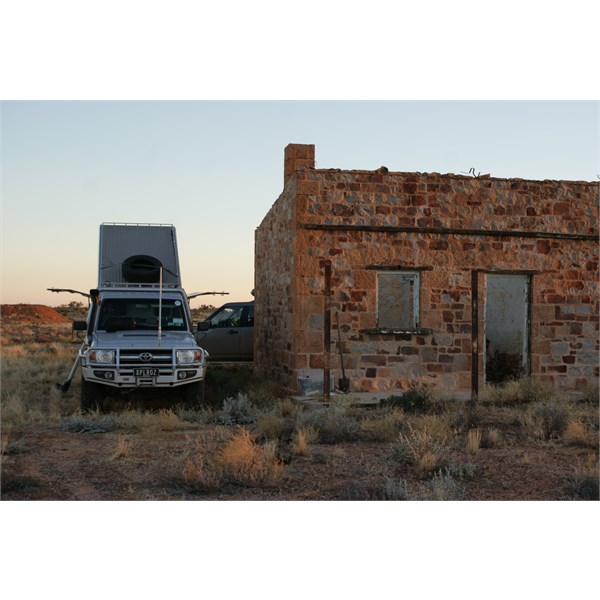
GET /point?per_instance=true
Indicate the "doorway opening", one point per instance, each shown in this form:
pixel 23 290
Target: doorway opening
pixel 507 323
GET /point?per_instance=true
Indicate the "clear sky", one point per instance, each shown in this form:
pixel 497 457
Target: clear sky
pixel 214 169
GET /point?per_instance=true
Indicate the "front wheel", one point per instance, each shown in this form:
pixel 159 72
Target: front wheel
pixel 192 394
pixel 92 396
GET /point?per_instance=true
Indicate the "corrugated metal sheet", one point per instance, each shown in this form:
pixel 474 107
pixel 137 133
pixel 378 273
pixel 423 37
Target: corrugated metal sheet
pixel 120 241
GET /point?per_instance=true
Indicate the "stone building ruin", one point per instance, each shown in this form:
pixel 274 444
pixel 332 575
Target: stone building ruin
pixel 448 281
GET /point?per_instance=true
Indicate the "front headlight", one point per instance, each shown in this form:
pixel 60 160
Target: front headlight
pixel 187 357
pixel 102 356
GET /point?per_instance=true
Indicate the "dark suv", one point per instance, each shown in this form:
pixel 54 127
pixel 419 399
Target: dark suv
pixel 228 333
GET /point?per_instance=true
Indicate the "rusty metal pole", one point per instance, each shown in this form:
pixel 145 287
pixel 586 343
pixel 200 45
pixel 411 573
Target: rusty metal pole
pixel 327 331
pixel 474 335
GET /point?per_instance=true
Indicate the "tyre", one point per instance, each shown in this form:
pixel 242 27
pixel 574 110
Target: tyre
pixel 92 396
pixel 192 394
pixel 141 269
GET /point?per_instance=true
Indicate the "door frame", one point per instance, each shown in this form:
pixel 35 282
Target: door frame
pixel 476 346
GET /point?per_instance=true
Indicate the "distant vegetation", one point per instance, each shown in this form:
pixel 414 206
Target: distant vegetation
pixel 78 310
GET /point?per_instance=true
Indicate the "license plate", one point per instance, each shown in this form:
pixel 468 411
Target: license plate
pixel 145 372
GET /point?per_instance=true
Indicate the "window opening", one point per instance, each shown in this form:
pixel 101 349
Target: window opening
pixel 398 300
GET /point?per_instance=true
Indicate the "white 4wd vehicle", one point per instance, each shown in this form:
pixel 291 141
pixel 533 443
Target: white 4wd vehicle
pixel 139 331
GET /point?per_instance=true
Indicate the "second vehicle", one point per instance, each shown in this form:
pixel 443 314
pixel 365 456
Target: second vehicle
pixel 228 333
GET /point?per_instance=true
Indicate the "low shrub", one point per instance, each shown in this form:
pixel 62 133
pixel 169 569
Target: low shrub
pixel 89 423
pixel 547 420
pixel 9 448
pixel 201 473
pixel 519 391
pixel 461 470
pixel 332 425
pixel 280 422
pixel 591 394
pixel 390 490
pixel 491 437
pixel 148 421
pixel 583 482
pixel 442 486
pixel 464 418
pixel 412 401
pixel 237 410
pixel 577 434
pixel 199 466
pixel 419 451
pixel 202 416
pixel 382 427
pixel 438 426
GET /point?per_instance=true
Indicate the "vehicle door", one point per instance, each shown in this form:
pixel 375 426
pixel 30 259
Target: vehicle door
pixel 224 336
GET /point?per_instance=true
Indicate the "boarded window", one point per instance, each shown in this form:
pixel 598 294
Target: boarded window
pixel 398 300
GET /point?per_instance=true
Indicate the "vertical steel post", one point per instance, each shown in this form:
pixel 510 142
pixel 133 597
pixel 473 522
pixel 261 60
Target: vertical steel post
pixel 474 335
pixel 327 331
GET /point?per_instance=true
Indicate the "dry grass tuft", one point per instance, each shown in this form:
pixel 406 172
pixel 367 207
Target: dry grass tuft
pixel 383 427
pixel 591 394
pixel 166 420
pixel 491 437
pixel 332 424
pixel 244 461
pixel 201 474
pixel 148 422
pixel 584 481
pixel 201 470
pixel 519 391
pixel 280 422
pixel 440 427
pixel 473 441
pixel 546 420
pixel 29 396
pixel 303 437
pixel 123 449
pixel 578 434
pixel 420 451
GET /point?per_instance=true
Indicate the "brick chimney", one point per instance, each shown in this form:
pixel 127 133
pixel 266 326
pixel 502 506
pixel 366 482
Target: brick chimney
pixel 297 156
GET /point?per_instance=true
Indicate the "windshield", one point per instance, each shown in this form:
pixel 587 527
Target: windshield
pixel 121 314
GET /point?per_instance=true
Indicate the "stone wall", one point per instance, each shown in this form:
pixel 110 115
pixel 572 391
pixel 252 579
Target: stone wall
pixel 443 227
pixel 274 268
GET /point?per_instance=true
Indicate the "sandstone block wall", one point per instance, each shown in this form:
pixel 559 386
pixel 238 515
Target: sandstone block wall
pixel 274 269
pixel 443 227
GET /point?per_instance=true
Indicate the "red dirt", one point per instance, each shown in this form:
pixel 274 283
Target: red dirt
pixel 56 465
pixel 31 313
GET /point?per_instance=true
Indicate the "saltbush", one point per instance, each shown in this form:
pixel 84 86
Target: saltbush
pixel 237 410
pixel 419 451
pixel 332 425
pixel 442 486
pixel 548 420
pixel 412 401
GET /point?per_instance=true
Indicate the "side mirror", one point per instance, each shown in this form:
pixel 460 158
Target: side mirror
pixel 79 326
pixel 204 326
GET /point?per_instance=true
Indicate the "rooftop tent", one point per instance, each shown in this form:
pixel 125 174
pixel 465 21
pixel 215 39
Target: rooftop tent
pixel 134 254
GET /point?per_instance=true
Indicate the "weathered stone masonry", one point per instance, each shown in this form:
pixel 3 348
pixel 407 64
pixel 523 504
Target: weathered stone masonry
pixel 451 232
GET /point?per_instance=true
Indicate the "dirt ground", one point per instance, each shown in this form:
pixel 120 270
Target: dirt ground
pixel 43 460
pixel 57 465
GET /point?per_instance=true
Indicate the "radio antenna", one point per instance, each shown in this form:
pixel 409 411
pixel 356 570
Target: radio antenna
pixel 159 306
